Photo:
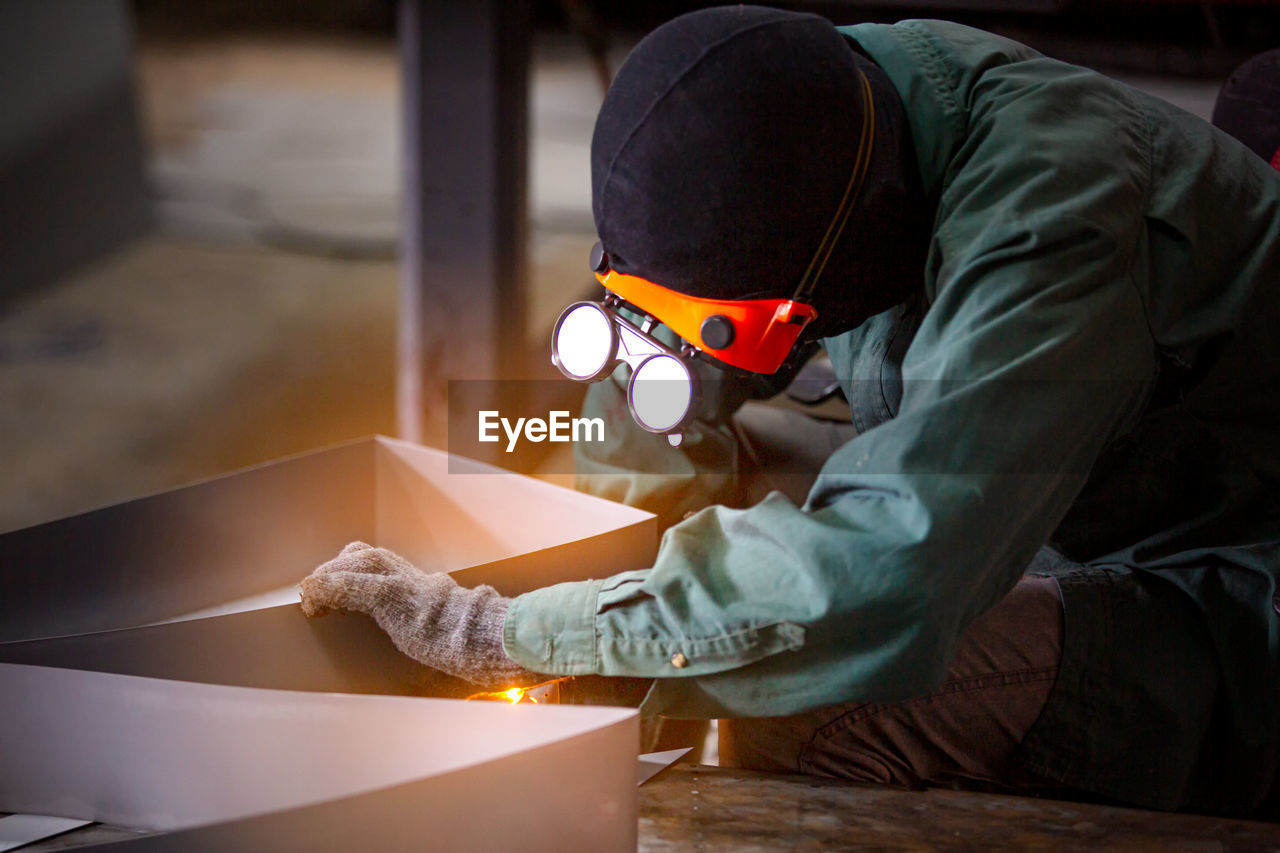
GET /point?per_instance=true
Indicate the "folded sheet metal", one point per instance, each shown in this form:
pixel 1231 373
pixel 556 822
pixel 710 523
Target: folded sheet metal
pixel 100 591
pixel 149 654
pixel 232 768
pixel 19 830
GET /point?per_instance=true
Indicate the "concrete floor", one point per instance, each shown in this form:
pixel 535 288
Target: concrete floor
pixel 259 319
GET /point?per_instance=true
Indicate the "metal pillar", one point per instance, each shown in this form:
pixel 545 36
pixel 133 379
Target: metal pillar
pixel 465 80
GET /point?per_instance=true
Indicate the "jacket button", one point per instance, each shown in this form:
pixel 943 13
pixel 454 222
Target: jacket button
pixel 679 661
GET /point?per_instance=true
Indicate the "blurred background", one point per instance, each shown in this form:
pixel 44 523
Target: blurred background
pixel 204 207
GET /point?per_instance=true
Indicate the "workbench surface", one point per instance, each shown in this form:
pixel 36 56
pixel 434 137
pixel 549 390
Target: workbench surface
pixel 711 809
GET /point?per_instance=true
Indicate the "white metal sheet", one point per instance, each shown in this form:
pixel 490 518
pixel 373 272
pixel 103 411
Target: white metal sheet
pixel 19 830
pixel 255 769
pixel 156 671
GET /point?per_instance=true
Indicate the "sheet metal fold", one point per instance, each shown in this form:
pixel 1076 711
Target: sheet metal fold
pixel 241 727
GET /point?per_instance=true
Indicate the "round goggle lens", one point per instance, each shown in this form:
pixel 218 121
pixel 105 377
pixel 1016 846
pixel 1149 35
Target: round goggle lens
pixel 661 393
pixel 584 341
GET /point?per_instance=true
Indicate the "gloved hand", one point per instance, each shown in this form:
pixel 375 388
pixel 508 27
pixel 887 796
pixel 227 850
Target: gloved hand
pixel 429 617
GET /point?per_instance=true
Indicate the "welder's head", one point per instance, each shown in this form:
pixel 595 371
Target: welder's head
pixel 723 150
pixel 753 183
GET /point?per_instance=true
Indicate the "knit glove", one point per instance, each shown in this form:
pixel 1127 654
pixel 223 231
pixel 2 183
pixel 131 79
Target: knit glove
pixel 428 616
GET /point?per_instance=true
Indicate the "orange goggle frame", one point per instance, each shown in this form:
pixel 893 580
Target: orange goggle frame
pixel 761 332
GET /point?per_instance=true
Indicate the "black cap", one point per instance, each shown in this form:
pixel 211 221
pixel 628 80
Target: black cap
pixel 723 148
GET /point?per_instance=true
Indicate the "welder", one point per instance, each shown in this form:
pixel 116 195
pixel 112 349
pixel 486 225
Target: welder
pixel 1044 553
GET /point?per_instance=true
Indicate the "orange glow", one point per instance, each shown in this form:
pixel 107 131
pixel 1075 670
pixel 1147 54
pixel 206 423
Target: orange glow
pixel 516 695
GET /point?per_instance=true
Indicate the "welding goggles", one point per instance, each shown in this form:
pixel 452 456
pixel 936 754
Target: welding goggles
pixel 591 339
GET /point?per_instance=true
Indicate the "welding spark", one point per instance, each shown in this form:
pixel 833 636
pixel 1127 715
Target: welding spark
pixel 516 695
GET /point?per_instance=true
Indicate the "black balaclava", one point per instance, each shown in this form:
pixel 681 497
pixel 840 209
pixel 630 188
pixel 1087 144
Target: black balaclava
pixel 722 151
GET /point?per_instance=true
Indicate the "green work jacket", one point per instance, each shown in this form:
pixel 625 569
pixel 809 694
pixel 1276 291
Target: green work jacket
pixel 1091 391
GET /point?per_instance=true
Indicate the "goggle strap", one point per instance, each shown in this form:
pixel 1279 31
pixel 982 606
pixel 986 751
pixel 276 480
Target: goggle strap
pixel 861 164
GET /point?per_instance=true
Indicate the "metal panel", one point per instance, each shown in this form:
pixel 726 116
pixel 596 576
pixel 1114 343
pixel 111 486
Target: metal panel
pixel 236 769
pixel 233 550
pixel 189 548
